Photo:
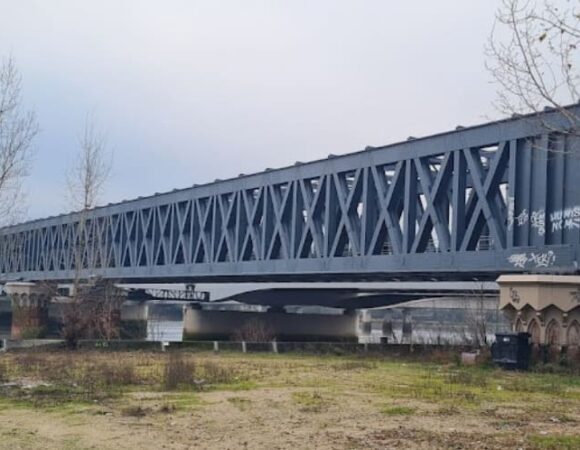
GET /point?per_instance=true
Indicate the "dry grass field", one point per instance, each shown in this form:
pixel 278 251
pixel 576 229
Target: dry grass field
pixel 145 400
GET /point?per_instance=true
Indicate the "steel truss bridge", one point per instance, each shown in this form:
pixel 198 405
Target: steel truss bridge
pixel 471 203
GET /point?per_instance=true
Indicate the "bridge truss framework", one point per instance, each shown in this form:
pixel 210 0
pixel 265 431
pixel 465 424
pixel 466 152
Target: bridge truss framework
pixel 473 203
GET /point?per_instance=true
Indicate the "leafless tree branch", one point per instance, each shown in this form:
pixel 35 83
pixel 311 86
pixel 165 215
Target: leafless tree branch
pixel 533 57
pixel 17 131
pixel 86 178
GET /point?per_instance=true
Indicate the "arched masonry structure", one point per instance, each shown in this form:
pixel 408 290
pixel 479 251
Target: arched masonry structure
pixel 29 308
pixel 546 306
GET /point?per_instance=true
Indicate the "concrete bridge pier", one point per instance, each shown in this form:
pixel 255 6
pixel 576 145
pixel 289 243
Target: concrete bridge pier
pixel 30 303
pixel 199 324
pixel 134 316
pixel 546 306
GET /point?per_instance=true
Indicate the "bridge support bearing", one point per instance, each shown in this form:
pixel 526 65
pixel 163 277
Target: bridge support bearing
pixel 546 306
pixel 29 309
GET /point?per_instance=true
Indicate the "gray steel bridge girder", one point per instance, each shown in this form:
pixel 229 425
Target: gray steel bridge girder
pixel 428 266
pixel 486 200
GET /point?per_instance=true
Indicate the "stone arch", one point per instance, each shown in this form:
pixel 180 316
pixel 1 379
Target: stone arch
pixel 573 338
pixel 519 326
pixel 553 333
pixel 534 330
pixel 32 300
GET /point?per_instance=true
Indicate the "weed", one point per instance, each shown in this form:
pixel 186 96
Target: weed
pixel 4 372
pixel 310 401
pixel 215 374
pixel 355 365
pixel 564 418
pixel 240 402
pixel 184 400
pixel 467 378
pixel 167 408
pixel 177 372
pixel 398 411
pixel 48 397
pixel 134 411
pixel 535 385
pixel 121 374
pixel 448 411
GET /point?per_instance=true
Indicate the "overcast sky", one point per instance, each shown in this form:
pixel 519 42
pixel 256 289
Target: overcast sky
pixel 190 91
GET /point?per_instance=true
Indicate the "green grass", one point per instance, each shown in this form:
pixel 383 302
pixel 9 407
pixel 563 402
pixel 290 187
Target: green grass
pixel 398 411
pixel 310 401
pixel 241 385
pixel 466 387
pixel 555 442
pixel 183 400
pixel 56 398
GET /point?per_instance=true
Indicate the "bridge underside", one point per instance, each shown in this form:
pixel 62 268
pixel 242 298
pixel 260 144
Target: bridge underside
pixel 347 298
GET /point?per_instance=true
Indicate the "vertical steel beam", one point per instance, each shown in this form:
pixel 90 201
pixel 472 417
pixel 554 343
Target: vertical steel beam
pixel 458 199
pixel 410 206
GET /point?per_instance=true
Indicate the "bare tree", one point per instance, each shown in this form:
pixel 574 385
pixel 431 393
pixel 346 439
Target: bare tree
pixel 92 311
pixel 86 178
pixel 254 330
pixel 533 56
pixel 17 131
pixel 476 319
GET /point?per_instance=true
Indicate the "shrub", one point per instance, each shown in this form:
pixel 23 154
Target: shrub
pixel 177 372
pixel 3 372
pixel 117 375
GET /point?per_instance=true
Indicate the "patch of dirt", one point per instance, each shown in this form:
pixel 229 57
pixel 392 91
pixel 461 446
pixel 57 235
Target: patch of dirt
pixel 271 418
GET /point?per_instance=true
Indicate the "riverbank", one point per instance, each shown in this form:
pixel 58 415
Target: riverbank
pixel 179 400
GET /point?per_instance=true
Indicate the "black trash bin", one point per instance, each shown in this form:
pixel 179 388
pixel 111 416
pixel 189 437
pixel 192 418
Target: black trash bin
pixel 512 350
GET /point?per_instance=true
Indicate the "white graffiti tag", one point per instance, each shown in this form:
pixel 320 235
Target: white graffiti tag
pixel 546 259
pixel 562 219
pixel 522 218
pixel 518 260
pixel 538 260
pixel 567 219
pixel 538 221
